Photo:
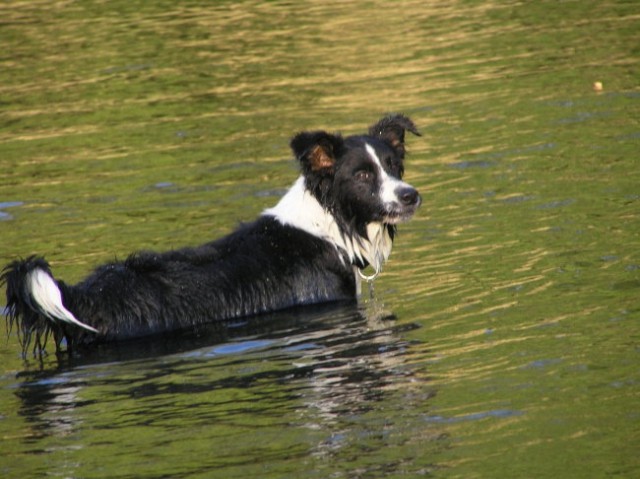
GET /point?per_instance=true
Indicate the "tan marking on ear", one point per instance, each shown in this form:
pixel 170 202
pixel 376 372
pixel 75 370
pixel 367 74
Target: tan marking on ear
pixel 398 145
pixel 320 160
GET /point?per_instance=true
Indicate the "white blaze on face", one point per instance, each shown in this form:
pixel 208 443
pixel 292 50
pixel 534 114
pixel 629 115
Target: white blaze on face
pixel 389 186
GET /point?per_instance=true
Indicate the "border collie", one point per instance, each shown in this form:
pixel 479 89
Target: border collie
pixel 338 218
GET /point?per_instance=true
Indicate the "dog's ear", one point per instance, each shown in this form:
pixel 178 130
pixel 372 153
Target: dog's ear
pixel 391 129
pixel 317 151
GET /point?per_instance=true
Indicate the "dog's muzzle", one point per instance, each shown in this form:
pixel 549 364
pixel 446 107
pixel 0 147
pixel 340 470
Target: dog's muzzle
pixel 409 196
pixel 407 202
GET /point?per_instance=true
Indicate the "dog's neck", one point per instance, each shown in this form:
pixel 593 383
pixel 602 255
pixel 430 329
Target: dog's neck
pixel 299 208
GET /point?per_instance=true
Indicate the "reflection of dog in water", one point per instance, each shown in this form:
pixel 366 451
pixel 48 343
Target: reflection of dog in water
pixel 338 218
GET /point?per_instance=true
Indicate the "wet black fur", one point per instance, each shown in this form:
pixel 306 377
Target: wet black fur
pixel 263 266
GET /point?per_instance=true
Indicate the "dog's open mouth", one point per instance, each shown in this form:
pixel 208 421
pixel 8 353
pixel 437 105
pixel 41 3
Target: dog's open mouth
pixel 402 210
pixel 399 213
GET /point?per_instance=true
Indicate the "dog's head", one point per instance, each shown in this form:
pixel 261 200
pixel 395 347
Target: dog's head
pixel 359 178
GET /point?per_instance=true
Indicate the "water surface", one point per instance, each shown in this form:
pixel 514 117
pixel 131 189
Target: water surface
pixel 502 339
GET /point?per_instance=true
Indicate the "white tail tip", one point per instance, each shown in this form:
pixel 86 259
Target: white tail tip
pixel 47 296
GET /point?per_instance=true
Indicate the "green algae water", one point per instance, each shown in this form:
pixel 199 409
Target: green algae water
pixel 502 339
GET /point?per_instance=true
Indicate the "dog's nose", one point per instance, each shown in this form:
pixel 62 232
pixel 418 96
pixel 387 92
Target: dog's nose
pixel 409 196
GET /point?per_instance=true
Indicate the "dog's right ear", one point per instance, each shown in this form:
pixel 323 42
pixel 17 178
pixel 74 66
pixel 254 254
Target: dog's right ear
pixel 317 150
pixel 391 129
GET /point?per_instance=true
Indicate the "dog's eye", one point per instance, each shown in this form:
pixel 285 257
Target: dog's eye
pixel 364 175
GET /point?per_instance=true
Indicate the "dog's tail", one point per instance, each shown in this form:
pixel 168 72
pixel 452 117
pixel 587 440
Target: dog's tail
pixel 34 303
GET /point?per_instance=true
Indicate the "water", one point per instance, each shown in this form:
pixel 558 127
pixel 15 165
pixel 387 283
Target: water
pixel 502 339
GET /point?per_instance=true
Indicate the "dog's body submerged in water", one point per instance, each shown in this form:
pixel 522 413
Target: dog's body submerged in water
pixel 338 217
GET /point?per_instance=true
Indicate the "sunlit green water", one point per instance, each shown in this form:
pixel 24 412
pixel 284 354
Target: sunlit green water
pixel 515 350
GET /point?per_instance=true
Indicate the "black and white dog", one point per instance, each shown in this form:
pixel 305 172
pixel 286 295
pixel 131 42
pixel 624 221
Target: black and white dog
pixel 338 218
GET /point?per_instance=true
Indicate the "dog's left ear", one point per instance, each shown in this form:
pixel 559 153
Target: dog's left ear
pixel 317 150
pixel 391 129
